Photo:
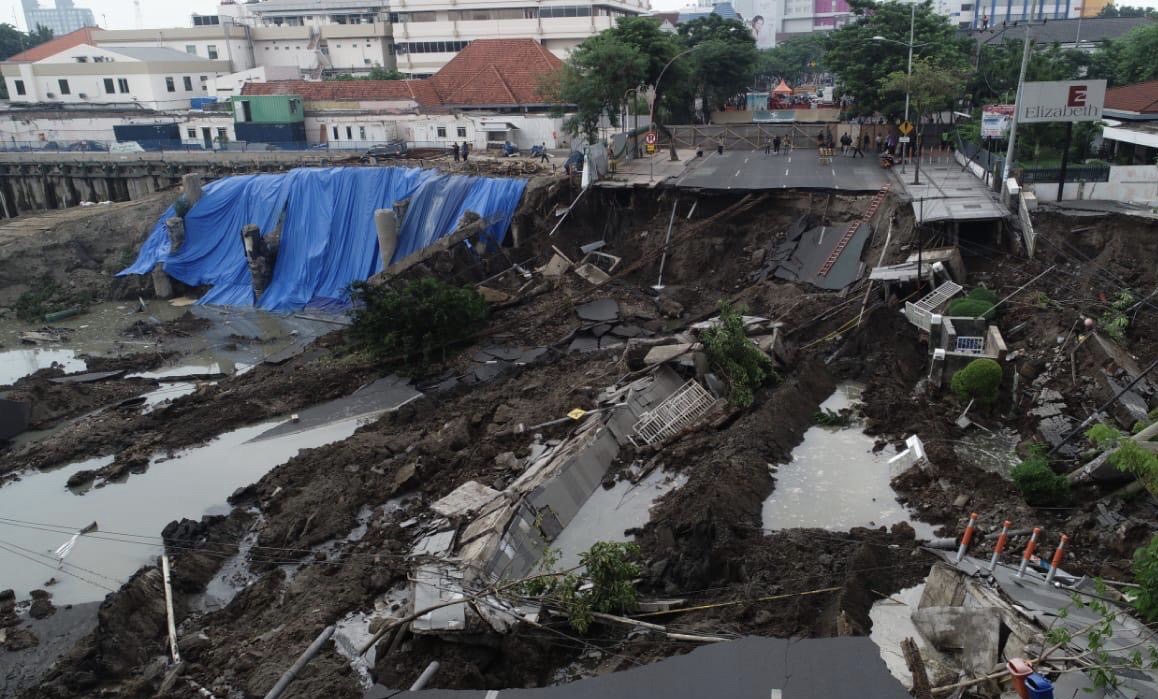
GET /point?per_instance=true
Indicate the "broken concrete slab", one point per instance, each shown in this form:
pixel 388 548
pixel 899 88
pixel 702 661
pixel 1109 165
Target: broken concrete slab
pixel 598 311
pixel 666 353
pixel 584 343
pixel 972 633
pixel 556 266
pixel 93 377
pixel 469 497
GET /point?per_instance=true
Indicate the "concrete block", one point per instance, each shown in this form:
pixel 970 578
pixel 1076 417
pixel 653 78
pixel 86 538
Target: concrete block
pixel 974 634
pixel 471 496
pixel 666 353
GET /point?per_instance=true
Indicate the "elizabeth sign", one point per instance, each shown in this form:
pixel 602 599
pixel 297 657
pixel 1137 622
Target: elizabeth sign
pixel 1064 101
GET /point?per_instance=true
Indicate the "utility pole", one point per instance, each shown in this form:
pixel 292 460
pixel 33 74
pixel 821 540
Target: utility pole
pixel 1016 108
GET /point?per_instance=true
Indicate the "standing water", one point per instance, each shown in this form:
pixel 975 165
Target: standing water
pixel 836 481
pixel 38 513
pixel 16 364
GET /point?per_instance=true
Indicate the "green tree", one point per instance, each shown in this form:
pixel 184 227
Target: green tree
pixel 725 59
pixel 794 58
pixel 862 63
pixel 380 73
pixel 37 36
pixel 600 71
pixel 979 380
pixel 1113 10
pixel 931 87
pixel 1137 59
pixel 13 41
pixel 735 357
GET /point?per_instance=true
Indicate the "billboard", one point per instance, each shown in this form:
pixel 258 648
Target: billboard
pixel 995 120
pixel 1066 100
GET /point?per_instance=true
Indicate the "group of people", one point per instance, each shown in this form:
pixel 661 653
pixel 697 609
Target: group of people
pixel 462 152
pixel 777 143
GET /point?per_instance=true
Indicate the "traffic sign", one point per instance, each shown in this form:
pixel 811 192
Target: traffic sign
pixel 650 138
pixel 906 128
pixel 903 139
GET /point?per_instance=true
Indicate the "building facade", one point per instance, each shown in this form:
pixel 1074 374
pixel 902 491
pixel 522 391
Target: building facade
pixel 153 78
pixel 66 17
pixel 418 37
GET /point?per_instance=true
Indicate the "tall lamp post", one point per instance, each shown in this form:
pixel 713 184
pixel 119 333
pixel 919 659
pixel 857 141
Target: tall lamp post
pixel 633 106
pixel 909 73
pixel 651 107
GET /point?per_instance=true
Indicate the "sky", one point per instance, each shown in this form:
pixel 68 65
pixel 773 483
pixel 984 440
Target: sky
pixel 118 14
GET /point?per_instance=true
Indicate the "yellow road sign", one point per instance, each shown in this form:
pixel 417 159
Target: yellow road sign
pixel 577 413
pixel 906 128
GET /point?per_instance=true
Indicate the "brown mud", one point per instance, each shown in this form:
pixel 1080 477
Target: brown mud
pixel 704 542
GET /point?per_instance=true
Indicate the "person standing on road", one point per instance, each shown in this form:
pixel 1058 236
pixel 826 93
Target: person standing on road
pixel 465 151
pixel 845 142
pixel 776 144
pixel 856 147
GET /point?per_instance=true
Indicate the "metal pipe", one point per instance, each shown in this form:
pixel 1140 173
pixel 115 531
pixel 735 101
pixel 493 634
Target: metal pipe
pixel 663 259
pixel 425 677
pixel 300 663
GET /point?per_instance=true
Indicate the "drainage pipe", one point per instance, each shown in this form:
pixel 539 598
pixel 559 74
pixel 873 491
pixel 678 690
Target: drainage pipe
pixel 300 663
pixel 425 677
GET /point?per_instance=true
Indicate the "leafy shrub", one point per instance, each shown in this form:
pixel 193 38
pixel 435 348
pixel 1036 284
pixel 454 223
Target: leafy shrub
pixel 979 380
pixel 46 296
pixel 1038 484
pixel 1102 435
pixel 1114 322
pixel 983 294
pixel 419 323
pixel 1128 456
pixel 731 353
pixel 1146 575
pixel 971 308
pixel 606 584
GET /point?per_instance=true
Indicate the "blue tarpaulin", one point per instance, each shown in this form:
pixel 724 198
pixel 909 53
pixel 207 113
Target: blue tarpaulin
pixel 328 239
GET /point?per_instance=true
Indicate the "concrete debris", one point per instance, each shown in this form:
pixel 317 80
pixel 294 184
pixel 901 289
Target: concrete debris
pixel 913 455
pixel 598 311
pixel 555 267
pixel 467 498
pixel 592 274
pixel 667 353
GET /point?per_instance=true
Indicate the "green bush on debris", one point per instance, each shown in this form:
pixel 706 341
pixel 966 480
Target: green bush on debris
pixel 734 356
pixel 983 294
pixel 419 323
pixel 978 381
pixel 46 296
pixel 969 307
pixel 1146 575
pixel 1038 484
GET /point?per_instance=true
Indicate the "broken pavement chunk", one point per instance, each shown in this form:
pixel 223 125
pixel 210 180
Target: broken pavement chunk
pixel 598 311
pixel 666 353
pixel 469 497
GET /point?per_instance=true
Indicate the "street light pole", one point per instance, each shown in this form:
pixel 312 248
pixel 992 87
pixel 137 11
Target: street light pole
pixel 909 79
pixel 651 110
pixel 1007 168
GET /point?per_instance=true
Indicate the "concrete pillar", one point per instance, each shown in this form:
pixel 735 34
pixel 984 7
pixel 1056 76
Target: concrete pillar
pixel 162 285
pixel 258 257
pixel 386 222
pixel 191 184
pixel 176 228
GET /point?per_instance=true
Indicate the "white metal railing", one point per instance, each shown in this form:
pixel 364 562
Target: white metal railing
pixel 920 313
pixel 970 345
pixel 679 410
pixel 918 316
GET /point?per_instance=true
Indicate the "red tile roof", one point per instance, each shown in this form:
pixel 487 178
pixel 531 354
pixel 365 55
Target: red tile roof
pixel 55 46
pixel 488 72
pixel 1139 97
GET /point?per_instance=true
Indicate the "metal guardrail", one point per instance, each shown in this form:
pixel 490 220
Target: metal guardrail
pixel 130 147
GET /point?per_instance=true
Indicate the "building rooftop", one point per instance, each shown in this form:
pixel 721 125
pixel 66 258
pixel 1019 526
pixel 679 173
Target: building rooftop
pixel 487 73
pixel 1139 98
pixel 1062 31
pixel 55 46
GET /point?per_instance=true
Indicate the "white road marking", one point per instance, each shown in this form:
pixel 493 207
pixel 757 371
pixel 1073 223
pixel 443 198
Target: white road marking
pixel 737 173
pixel 494 693
pixel 745 160
pixel 786 172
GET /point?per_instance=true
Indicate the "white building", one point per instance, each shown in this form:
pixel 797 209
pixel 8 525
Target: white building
pixel 62 19
pixel 421 36
pixel 71 70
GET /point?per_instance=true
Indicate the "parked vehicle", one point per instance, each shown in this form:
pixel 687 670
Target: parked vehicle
pixel 393 149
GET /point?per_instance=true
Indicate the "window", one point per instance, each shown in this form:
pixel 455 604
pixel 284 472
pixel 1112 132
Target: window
pixel 442 132
pixel 64 87
pixel 191 49
pixel 204 78
pixel 82 59
pixel 366 61
pixel 19 86
pixel 462 132
pixel 293 106
pixel 123 85
pixel 212 51
pixel 109 86
pixel 222 135
pixel 170 85
pixel 361 133
pixel 191 133
pixel 335 133
pixel 188 80
pixel 349 133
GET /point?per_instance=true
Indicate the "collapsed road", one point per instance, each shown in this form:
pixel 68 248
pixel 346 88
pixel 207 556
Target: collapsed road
pixel 327 491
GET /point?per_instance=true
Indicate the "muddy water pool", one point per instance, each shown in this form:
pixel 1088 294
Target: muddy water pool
pixel 836 481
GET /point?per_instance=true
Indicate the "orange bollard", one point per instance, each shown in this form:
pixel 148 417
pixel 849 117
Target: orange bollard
pixel 1058 555
pixel 966 537
pixel 1000 546
pixel 1029 549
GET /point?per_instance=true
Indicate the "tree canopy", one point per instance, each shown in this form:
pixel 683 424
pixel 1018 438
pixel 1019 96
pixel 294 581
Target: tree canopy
pixel 13 41
pixel 862 62
pixel 794 58
pixel 599 72
pixel 1113 10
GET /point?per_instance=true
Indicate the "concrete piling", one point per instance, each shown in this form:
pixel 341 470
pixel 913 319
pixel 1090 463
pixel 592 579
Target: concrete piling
pixel 386 223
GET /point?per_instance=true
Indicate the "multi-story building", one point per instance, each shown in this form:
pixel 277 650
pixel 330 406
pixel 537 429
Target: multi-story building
pixel 73 70
pixel 62 19
pixel 418 37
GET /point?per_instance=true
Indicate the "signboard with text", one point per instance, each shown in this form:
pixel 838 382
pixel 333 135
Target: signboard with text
pixel 1064 101
pixel 995 120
